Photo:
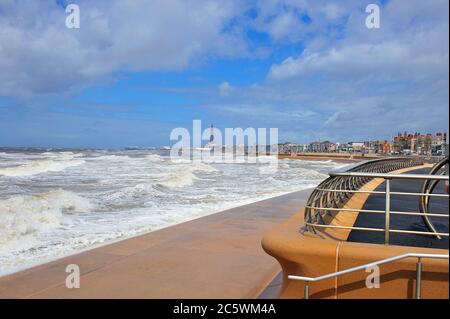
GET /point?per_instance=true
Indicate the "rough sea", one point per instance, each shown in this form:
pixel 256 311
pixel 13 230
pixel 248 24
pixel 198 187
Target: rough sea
pixel 58 202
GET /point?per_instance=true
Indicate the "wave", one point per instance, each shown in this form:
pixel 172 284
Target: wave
pixel 112 157
pixel 130 196
pixel 180 161
pixel 40 166
pixel 307 173
pixel 24 215
pixel 154 158
pixel 178 179
pixel 201 167
pixel 185 176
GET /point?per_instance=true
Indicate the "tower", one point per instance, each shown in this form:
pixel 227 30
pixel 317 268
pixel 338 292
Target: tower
pixel 211 137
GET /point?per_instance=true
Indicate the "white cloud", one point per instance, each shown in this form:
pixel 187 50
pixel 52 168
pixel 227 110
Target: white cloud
pixel 391 59
pixel 39 55
pixel 356 81
pixel 300 20
pixel 225 89
pixel 333 119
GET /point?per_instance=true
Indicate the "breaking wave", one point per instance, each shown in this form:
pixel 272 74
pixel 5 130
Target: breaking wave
pixel 154 158
pixel 26 214
pixel 181 178
pixel 41 166
pixel 202 167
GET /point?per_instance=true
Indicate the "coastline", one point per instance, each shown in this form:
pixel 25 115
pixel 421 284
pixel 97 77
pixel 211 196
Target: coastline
pixel 219 254
pixel 120 239
pixel 336 157
pixel 74 192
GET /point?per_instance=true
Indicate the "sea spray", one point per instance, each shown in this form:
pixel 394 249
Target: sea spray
pixel 24 215
pixel 39 166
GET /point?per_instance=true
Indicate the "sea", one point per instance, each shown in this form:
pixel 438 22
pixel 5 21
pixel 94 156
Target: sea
pixel 57 202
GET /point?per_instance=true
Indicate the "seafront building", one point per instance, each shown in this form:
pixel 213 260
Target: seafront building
pixel 402 144
pixel 421 144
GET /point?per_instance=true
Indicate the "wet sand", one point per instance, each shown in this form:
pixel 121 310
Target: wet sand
pixel 217 256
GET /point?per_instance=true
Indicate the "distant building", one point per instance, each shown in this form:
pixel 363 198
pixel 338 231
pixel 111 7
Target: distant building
pixel 323 147
pixel 291 148
pixel 356 146
pixel 420 144
pixel 328 147
pixel 314 147
pixel 404 143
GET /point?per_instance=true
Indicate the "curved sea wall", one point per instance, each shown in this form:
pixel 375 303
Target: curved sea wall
pixel 308 255
pixel 311 256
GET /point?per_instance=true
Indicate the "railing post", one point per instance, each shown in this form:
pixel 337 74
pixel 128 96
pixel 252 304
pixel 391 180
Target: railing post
pixel 419 278
pixel 306 289
pixel 388 212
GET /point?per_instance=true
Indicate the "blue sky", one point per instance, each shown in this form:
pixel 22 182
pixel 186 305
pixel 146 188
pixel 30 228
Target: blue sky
pixel 135 70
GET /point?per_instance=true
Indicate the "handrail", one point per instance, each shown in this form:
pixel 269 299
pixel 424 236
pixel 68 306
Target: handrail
pixel 361 165
pixel 371 264
pixel 428 187
pixel 388 212
pixel 333 193
pixel 392 176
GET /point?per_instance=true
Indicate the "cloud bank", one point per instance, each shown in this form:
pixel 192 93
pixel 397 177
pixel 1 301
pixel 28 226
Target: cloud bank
pixel 39 55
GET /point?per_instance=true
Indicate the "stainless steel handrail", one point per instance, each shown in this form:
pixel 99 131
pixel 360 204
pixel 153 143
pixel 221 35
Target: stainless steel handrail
pixel 428 187
pixel 380 192
pixel 391 176
pixel 387 211
pixel 374 211
pixel 419 268
pixel 332 194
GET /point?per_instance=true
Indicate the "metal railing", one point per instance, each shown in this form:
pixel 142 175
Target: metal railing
pixel 332 194
pixel 428 186
pixel 419 269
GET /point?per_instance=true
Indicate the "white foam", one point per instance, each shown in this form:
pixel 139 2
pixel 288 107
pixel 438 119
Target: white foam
pixel 112 157
pixel 24 215
pixel 178 179
pixel 181 161
pixel 40 166
pixel 201 167
pixel 154 158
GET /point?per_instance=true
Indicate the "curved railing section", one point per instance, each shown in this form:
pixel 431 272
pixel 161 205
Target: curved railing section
pixel 428 186
pixel 334 192
pixel 419 266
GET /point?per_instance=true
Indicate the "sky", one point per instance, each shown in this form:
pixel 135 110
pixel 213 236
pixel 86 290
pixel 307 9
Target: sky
pixel 135 70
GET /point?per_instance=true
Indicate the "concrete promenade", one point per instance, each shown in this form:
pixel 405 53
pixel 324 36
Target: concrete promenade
pixel 403 222
pixel 217 256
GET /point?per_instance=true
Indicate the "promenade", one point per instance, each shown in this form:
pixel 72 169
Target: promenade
pixel 217 256
pixel 403 222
